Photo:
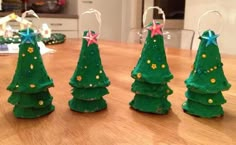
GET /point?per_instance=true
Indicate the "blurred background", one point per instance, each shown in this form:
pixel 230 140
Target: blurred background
pixel 122 19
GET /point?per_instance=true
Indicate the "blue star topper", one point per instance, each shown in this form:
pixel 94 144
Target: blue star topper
pixel 28 36
pixel 211 39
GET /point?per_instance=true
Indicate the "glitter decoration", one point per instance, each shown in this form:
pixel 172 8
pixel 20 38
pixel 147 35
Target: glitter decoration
pixel 155 29
pixel 88 94
pixel 30 50
pixel 211 38
pixel 139 75
pixel 213 80
pixel 203 55
pixel 91 38
pixel 30 82
pixel 154 66
pixel 32 86
pixel 150 80
pixel 31 66
pixel 41 102
pixel 28 36
pixel 167 91
pixel 204 97
pixel 210 101
pixel 79 78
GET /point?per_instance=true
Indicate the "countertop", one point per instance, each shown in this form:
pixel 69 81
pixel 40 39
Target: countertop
pixel 118 124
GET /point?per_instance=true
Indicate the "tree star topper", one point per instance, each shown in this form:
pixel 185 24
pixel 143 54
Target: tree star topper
pixel 27 36
pixel 211 39
pixel 91 38
pixel 155 28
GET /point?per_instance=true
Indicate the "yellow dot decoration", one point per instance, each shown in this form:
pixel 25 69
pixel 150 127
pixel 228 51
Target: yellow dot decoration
pixel 204 56
pixel 90 85
pixel 79 78
pixel 154 40
pixel 163 66
pixel 139 75
pixel 213 80
pixel 85 67
pixel 148 61
pixel 32 85
pixel 17 86
pixel 208 71
pixel 167 91
pixel 210 101
pixel 97 77
pixel 211 69
pixel 30 50
pixel 100 71
pixel 23 55
pixel 154 66
pixel 31 66
pixel 35 57
pixel 41 102
pixel 215 67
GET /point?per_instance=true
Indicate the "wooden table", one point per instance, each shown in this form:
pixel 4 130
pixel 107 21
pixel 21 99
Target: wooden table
pixel 118 124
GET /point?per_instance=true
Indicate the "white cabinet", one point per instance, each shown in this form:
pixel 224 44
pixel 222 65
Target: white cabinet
pixel 67 26
pixel 65 22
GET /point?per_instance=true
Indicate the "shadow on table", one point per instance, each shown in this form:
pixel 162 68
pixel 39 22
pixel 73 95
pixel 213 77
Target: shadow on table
pixel 225 125
pixel 163 127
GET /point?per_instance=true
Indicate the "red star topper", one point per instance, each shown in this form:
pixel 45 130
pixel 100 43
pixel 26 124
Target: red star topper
pixel 91 38
pixel 155 28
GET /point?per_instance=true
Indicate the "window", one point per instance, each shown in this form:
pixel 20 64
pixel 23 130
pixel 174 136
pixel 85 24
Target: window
pixel 174 9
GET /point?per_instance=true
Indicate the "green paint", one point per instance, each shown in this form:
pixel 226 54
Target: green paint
pixel 206 81
pixel 151 76
pixel 89 81
pixel 30 84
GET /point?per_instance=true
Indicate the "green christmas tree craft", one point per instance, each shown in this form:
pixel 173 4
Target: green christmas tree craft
pixel 152 74
pixel 30 84
pixel 206 80
pixel 89 80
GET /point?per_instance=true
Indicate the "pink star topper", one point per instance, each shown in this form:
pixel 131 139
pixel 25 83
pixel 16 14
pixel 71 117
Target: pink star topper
pixel 91 37
pixel 155 28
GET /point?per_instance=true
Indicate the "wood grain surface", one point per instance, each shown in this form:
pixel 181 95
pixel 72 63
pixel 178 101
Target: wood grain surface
pixel 118 124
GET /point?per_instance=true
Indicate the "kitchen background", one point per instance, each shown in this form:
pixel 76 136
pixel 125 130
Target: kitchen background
pixel 121 19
